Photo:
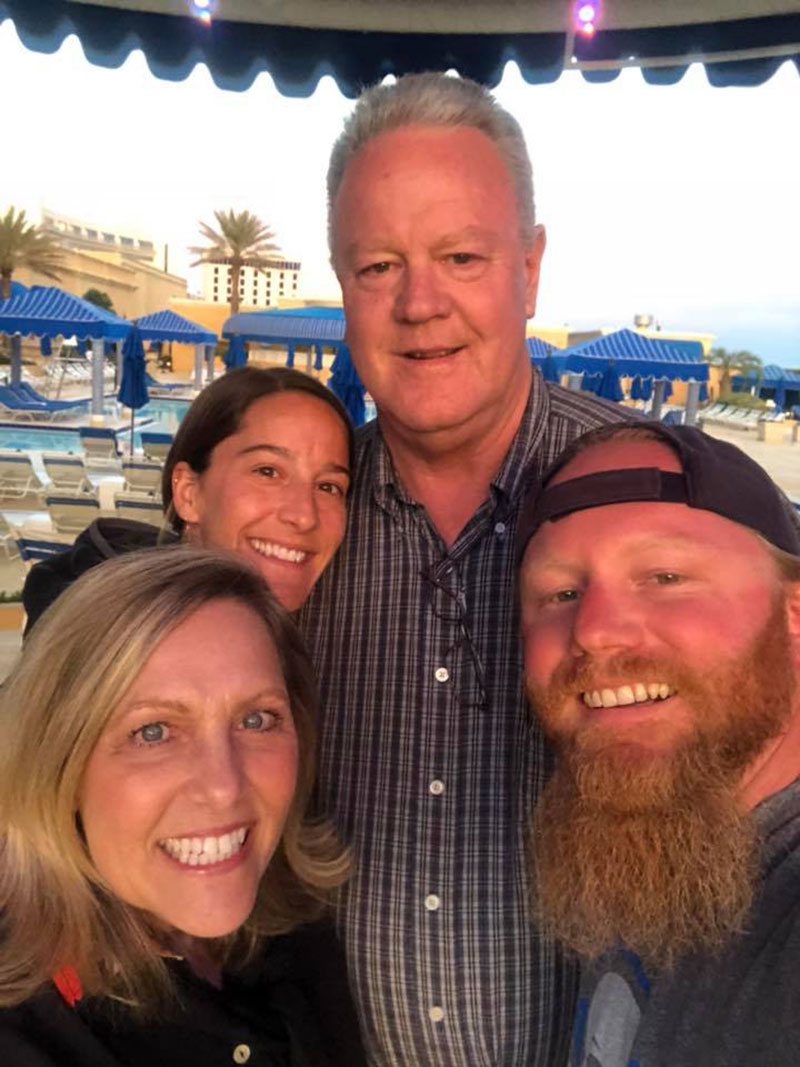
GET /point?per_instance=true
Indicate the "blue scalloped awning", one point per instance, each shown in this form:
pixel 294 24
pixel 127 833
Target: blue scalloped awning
pixel 169 326
pixel 738 51
pixel 771 377
pixel 311 325
pixel 635 354
pixel 45 311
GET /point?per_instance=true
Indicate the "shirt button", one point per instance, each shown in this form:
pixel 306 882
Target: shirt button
pixel 500 528
pixel 241 1054
pixel 432 902
pixel 441 674
pixel 436 1014
pixel 436 787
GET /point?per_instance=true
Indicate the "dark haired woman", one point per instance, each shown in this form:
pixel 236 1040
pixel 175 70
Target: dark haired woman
pixel 260 466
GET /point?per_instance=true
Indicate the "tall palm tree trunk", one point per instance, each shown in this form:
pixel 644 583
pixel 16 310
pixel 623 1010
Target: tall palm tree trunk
pixel 236 270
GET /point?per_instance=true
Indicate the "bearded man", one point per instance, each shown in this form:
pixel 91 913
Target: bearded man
pixel 660 588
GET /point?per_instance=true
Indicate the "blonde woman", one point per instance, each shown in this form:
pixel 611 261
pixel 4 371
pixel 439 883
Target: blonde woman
pixel 158 876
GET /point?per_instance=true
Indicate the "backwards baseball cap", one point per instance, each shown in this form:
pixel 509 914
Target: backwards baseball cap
pixel 717 476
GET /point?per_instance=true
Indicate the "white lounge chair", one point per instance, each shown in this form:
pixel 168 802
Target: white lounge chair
pixel 140 507
pixel 156 445
pixel 18 479
pixel 8 539
pixel 67 473
pixel 71 514
pixel 35 544
pixel 100 445
pixel 142 477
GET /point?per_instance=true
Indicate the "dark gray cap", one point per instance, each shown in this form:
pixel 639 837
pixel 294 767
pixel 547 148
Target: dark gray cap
pixel 717 476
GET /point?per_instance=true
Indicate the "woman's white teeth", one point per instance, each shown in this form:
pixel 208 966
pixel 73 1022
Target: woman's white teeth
pixel 269 548
pixel 200 851
pixel 637 693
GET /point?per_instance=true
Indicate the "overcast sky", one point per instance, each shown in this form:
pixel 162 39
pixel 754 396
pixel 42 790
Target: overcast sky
pixel 680 201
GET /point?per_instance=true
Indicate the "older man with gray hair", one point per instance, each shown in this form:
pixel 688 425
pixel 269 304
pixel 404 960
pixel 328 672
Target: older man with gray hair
pixel 430 763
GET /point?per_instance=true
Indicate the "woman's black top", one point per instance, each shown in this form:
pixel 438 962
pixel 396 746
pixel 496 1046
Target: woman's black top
pixel 290 1008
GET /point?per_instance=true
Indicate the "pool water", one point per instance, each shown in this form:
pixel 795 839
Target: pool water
pixel 160 416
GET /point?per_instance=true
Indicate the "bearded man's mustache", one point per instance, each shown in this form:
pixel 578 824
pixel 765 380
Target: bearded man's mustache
pixel 652 849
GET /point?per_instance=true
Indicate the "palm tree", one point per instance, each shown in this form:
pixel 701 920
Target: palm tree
pixel 242 240
pixel 731 363
pixel 24 245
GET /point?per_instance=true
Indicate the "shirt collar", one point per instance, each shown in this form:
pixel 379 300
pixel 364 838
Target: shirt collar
pixel 512 475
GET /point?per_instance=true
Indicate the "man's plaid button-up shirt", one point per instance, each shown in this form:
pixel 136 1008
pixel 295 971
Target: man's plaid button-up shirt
pixel 431 762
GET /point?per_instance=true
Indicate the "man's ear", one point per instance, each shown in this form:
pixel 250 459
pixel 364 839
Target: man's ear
pixel 186 492
pixel 533 264
pixel 793 619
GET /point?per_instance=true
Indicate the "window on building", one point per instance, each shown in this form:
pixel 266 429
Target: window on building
pixel 92 234
pixel 127 241
pixel 109 238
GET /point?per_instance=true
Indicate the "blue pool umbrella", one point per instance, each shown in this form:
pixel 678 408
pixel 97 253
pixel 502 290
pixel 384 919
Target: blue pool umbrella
pixel 636 388
pixel 318 358
pixel 290 354
pixel 45 347
pixel 647 388
pixel 133 387
pixel 345 382
pixel 81 346
pixel 702 396
pixel 236 353
pixel 609 387
pixel 780 397
pixel 549 370
pixel 667 388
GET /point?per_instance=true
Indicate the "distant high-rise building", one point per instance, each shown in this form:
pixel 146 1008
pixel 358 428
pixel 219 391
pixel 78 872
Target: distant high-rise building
pixel 257 288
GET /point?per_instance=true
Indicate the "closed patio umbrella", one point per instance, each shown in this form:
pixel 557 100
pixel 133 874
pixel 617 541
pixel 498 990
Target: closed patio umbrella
pixel 133 387
pixel 236 354
pixel 45 347
pixel 549 370
pixel 345 382
pixel 636 388
pixel 609 387
pixel 647 388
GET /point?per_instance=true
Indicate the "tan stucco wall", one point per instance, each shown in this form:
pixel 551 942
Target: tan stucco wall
pixel 135 288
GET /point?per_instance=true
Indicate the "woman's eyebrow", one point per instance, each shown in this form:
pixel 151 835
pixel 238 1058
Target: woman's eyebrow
pixel 277 449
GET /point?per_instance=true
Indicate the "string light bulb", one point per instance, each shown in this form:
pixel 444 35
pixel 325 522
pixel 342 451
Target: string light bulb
pixel 585 16
pixel 202 10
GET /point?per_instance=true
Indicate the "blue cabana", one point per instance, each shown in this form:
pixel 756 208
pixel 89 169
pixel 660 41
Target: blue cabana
pixel 167 325
pixel 45 311
pixel 303 326
pixel 773 382
pixel 634 354
pixel 311 327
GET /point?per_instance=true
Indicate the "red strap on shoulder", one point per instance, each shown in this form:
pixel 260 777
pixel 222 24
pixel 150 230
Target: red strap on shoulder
pixel 68 984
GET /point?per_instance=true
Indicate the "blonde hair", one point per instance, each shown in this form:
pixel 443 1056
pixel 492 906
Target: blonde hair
pixel 56 910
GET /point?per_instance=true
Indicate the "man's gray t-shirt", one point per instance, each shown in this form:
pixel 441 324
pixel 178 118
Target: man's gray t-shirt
pixel 740 1008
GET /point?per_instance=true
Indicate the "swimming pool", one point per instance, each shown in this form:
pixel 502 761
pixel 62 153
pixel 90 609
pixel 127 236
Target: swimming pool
pixel 160 415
